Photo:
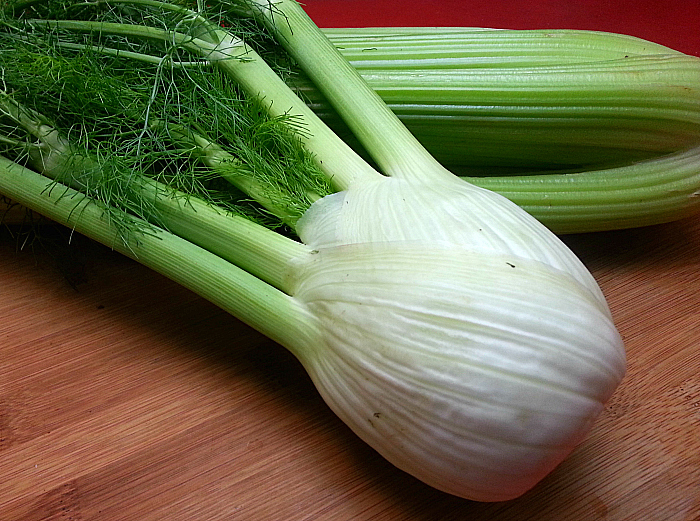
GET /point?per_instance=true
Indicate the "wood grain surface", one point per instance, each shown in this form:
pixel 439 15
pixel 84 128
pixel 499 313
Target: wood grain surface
pixel 125 397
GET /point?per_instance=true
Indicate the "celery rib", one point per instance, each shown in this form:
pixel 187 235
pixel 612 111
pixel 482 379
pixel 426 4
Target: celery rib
pixel 648 192
pixel 526 117
pixel 475 45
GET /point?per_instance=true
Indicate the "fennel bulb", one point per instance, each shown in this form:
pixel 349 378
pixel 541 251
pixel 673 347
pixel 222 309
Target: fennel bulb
pixel 446 326
pixel 472 352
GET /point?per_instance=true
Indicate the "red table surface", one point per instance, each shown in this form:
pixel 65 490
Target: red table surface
pixel 675 24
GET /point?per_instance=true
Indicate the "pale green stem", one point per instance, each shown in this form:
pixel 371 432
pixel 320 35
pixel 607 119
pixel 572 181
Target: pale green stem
pixel 262 252
pixel 396 151
pixel 232 170
pixel 268 310
pixel 478 47
pixel 259 251
pixel 335 158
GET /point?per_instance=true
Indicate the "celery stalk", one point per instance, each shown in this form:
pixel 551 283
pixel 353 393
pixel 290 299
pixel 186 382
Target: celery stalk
pixel 643 193
pixel 486 102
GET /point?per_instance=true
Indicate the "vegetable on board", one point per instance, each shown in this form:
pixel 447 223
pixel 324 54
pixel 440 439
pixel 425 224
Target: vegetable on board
pixel 446 326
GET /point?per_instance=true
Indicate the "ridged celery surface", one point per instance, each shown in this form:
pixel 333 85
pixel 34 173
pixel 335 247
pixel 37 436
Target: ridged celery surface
pixel 500 100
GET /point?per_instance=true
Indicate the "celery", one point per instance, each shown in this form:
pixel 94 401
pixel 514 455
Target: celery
pixel 586 130
pixel 489 101
pixel 644 193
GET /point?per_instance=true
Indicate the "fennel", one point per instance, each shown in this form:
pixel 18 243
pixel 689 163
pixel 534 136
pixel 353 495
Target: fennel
pixel 445 325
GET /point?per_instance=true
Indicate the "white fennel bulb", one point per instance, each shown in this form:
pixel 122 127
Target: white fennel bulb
pixel 462 340
pixel 448 328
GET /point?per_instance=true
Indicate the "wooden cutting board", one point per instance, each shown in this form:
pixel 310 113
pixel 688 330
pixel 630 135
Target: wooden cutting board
pixel 124 397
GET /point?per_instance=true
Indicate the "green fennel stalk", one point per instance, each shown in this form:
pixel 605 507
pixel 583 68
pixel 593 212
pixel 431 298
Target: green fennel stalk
pixel 233 289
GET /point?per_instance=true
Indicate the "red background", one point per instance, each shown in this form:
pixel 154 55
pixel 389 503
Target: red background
pixel 674 24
